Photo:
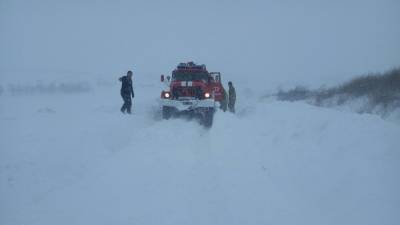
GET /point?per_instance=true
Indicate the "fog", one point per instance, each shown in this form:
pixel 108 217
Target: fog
pixel 264 43
pixel 69 156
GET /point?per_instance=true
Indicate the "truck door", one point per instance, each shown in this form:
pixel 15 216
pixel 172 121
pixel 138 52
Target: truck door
pixel 217 86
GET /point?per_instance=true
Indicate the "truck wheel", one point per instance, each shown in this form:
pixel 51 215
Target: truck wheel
pixel 208 118
pixel 166 112
pixel 223 105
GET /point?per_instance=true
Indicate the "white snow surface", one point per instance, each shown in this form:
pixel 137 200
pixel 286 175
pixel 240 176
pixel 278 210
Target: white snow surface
pixel 73 158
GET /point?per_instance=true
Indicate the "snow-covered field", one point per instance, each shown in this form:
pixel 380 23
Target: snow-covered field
pixel 73 158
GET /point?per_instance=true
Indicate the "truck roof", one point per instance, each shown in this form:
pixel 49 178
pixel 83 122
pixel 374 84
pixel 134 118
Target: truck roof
pixel 190 66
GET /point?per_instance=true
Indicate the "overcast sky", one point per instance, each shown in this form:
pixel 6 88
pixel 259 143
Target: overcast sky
pixel 308 42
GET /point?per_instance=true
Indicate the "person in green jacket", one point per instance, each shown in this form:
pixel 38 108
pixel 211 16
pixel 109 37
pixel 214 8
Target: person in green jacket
pixel 232 97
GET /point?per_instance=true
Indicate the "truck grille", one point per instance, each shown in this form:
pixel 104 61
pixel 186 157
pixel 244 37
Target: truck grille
pixel 195 92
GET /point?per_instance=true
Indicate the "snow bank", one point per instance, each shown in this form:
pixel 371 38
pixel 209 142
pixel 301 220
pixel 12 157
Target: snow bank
pixel 50 83
pixel 79 161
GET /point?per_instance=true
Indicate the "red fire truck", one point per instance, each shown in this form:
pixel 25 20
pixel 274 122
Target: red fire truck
pixel 193 91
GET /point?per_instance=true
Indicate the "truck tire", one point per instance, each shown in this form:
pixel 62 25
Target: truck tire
pixel 224 102
pixel 208 118
pixel 166 112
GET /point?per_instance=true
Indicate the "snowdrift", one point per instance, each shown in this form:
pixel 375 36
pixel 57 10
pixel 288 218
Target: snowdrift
pixel 75 159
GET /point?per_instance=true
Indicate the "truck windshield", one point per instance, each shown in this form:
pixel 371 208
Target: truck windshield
pixel 190 76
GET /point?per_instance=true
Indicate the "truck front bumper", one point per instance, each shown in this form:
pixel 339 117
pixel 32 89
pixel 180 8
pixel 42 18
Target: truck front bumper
pixel 188 105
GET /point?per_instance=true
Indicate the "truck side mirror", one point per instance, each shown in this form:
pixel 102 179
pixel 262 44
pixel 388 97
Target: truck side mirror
pixel 162 78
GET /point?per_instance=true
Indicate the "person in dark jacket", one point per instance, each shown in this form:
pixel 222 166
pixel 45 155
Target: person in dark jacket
pixel 232 97
pixel 127 92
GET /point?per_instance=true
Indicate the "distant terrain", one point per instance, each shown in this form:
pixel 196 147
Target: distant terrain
pixel 375 93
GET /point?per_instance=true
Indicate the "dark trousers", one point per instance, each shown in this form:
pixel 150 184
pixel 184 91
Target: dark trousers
pixel 127 103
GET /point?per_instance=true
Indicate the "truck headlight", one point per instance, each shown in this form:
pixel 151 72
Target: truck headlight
pixel 207 95
pixel 167 95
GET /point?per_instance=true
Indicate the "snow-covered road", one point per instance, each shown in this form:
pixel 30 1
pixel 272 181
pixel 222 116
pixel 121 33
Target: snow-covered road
pixel 74 159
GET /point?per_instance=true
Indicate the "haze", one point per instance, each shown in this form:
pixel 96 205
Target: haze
pixel 265 43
